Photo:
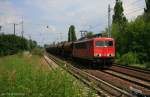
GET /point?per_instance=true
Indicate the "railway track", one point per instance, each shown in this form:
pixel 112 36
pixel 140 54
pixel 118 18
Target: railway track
pixel 107 82
pixel 135 80
pixel 131 80
pixel 122 82
pixel 132 68
pixel 134 72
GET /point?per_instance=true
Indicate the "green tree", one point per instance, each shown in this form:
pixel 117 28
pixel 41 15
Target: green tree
pixel 72 34
pixel 118 16
pixel 147 9
pixel 119 26
pixel 32 44
pixel 132 36
pixel 0 27
pixel 11 44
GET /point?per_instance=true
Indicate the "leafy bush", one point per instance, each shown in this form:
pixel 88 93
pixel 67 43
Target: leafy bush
pixel 147 64
pixel 129 58
pixel 117 55
pixel 11 44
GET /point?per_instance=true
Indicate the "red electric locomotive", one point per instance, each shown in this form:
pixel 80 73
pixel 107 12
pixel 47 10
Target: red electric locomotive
pixel 99 51
pixel 96 50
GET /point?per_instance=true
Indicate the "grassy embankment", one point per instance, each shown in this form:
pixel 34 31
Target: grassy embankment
pixel 29 76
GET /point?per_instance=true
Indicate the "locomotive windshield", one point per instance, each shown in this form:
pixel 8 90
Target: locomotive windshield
pixel 104 43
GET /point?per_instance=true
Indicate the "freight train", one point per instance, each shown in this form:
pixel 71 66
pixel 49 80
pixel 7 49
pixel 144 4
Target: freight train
pixel 99 51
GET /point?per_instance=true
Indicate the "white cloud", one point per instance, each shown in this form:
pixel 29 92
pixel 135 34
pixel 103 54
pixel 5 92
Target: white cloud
pixel 59 15
pixel 72 11
pixel 8 12
pixel 8 15
pixel 64 13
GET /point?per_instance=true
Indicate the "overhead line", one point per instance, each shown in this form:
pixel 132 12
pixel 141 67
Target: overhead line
pixel 135 11
pixel 134 8
pixel 134 2
pixel 93 27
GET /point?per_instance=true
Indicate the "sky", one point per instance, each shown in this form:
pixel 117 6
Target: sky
pixel 46 21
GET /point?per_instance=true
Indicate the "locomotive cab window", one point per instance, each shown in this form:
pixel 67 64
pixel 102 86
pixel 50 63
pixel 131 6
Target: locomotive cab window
pixel 104 43
pixel 109 43
pixel 100 43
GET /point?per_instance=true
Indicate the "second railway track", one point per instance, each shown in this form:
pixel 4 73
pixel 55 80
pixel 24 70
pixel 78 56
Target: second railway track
pixel 135 80
pixel 134 72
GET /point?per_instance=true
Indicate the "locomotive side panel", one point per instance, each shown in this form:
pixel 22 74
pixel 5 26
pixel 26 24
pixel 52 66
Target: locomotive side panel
pixel 83 49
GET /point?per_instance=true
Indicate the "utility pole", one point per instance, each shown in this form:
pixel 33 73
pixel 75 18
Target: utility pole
pixel 0 28
pixel 22 32
pixel 109 21
pixel 14 29
pixel 30 42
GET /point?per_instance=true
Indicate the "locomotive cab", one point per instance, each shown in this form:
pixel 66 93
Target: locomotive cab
pixel 104 50
pixel 99 51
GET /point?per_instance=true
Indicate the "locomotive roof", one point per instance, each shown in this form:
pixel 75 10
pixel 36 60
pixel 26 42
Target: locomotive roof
pixel 97 38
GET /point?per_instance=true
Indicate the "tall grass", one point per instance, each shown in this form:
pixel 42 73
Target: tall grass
pixel 24 76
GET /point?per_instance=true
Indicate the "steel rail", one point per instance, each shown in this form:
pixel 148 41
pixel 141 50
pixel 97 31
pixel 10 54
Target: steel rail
pixel 88 77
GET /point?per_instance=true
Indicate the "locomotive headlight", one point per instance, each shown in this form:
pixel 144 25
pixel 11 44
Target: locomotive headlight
pixel 97 55
pixel 108 54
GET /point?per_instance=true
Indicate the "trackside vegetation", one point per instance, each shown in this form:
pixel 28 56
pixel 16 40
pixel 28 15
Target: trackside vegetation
pixel 132 37
pixel 25 75
pixel 12 44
